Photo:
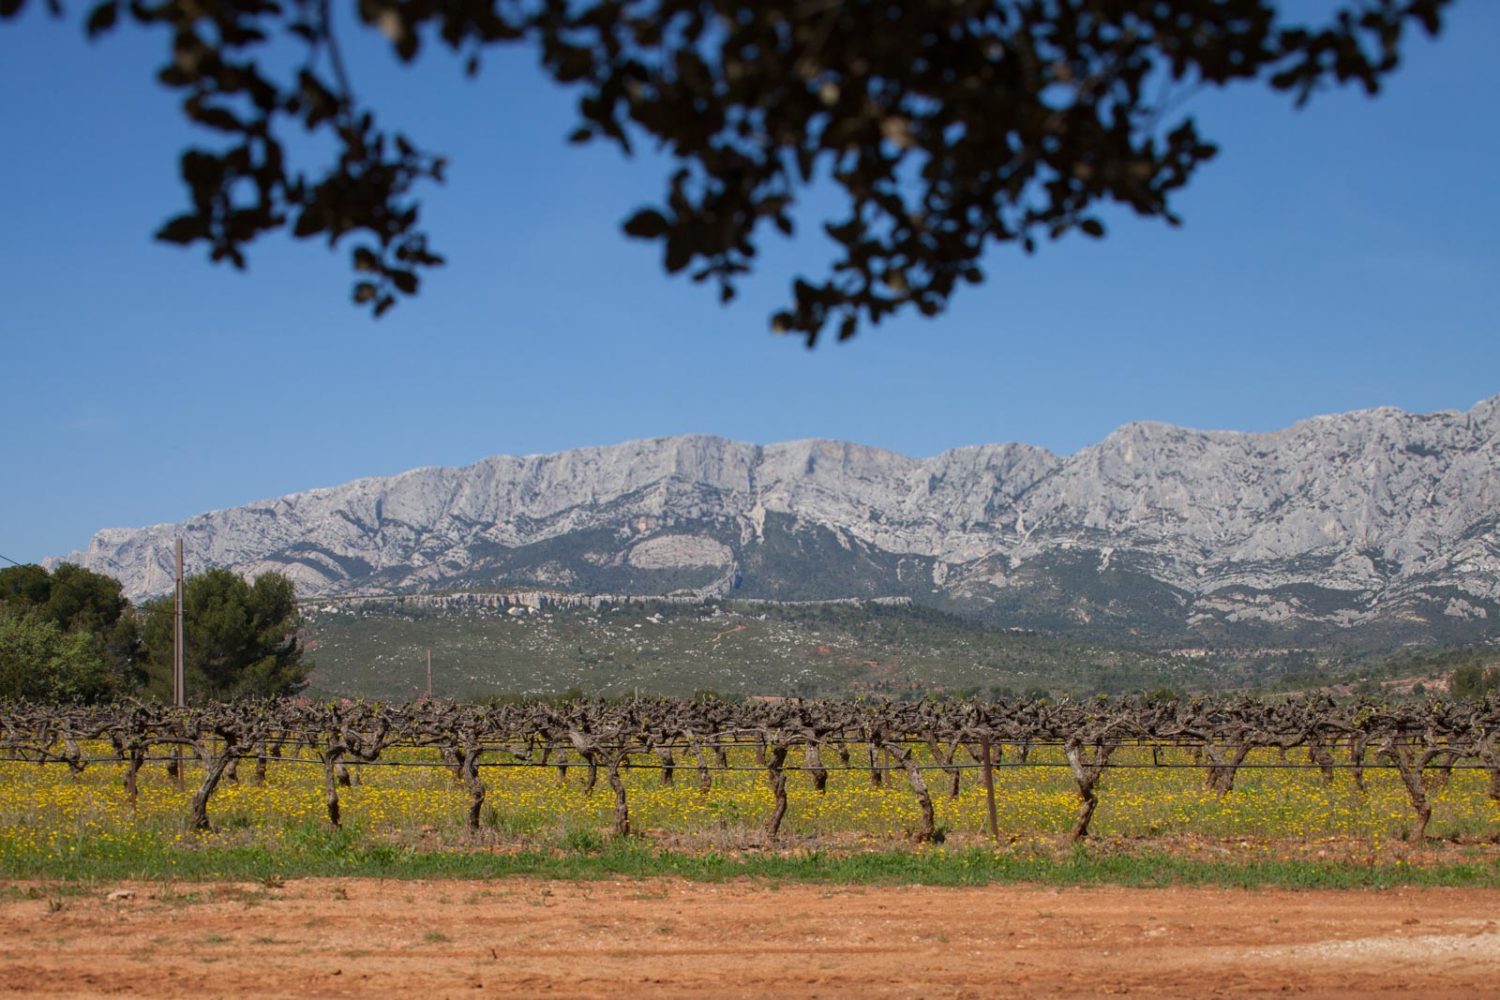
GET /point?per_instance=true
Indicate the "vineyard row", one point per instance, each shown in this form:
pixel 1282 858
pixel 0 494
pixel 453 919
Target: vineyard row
pixel 1424 744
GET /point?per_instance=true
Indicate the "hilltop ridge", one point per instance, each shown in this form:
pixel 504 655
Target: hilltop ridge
pixel 1375 526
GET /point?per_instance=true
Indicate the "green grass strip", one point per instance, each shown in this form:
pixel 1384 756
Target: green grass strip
pixel 336 855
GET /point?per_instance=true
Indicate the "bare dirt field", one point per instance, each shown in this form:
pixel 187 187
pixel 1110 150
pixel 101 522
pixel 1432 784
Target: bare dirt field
pixel 668 938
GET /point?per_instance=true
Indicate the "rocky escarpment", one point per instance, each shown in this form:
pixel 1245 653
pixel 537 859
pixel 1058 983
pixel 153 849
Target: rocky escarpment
pixel 1378 524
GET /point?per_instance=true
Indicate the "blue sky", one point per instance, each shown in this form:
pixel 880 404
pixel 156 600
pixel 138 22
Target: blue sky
pixel 1340 257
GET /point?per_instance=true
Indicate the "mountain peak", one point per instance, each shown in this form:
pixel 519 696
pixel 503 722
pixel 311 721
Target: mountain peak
pixel 1376 522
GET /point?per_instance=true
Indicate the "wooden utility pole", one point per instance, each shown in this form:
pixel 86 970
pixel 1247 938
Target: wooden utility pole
pixel 179 688
pixel 987 772
pixel 429 673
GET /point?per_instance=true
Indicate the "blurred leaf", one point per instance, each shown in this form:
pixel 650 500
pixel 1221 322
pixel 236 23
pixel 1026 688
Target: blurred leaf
pixel 182 229
pixel 647 224
pixel 101 19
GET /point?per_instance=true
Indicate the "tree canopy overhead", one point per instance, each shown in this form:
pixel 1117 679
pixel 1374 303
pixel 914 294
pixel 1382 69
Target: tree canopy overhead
pixel 945 125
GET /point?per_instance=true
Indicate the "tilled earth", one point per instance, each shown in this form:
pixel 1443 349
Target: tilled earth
pixel 669 938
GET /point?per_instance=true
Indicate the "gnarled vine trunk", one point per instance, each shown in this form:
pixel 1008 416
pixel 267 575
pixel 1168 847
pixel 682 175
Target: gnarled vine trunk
pixel 134 758
pixel 1321 755
pixel 705 776
pixel 1222 766
pixel 1357 760
pixel 331 758
pixel 1420 777
pixel 927 831
pixel 215 764
pixel 469 768
pixel 775 761
pixel 813 759
pixel 616 782
pixel 1087 762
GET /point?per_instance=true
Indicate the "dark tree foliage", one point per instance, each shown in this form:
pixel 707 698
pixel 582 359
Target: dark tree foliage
pixel 73 600
pixel 240 639
pixel 945 124
pixel 79 598
pixel 40 662
pixel 1474 681
pixel 26 586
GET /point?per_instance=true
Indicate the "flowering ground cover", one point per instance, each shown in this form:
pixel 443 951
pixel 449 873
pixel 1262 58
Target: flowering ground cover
pixel 53 819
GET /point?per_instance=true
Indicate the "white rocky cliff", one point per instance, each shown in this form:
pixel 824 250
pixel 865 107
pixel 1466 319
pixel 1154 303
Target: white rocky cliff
pixel 1377 516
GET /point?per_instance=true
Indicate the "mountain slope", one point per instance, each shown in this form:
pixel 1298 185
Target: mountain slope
pixel 829 649
pixel 1376 526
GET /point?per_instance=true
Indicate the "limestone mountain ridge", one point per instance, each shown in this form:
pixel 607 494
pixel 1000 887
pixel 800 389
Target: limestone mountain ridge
pixel 1370 526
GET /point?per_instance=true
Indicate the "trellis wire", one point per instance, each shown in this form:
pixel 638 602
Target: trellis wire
pixel 760 769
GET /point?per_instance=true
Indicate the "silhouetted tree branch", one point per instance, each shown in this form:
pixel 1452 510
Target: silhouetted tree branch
pixel 947 125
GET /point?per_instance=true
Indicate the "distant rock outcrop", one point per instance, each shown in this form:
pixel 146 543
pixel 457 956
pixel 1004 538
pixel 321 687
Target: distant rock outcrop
pixel 1377 525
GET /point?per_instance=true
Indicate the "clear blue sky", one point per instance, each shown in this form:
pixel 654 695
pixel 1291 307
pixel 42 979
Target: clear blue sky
pixel 1340 257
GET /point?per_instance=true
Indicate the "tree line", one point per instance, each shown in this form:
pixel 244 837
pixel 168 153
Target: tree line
pixel 69 635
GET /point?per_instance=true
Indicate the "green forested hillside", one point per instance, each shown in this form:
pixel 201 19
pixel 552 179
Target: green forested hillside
pixel 737 648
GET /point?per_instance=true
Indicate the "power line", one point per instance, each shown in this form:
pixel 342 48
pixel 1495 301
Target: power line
pixel 11 561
